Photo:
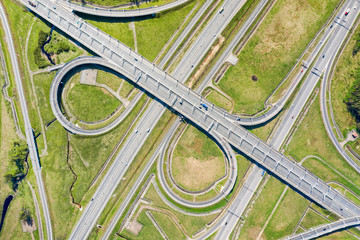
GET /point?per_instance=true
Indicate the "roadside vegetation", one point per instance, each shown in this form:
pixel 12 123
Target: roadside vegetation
pixel 344 97
pixel 59 48
pixel 197 161
pixel 219 100
pixel 273 50
pixel 311 139
pixel 261 209
pixel 13 169
pixel 18 166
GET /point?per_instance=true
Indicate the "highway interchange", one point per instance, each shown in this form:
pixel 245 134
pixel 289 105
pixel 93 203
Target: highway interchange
pixel 169 90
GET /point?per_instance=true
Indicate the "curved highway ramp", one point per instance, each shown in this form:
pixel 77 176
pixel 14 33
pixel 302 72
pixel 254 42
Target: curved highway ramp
pixel 327 229
pixel 120 13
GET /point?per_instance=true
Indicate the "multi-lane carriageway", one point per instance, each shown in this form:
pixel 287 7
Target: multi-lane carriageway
pixel 186 102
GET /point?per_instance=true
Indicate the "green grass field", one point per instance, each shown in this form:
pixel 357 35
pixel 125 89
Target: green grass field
pixel 152 34
pixel 286 216
pixel 261 209
pixel 191 223
pixel 42 84
pixel 168 226
pixel 126 89
pixel 273 50
pixel 197 161
pixel 148 231
pixel 117 28
pixel 109 79
pixel 89 103
pixel 312 219
pixel 12 227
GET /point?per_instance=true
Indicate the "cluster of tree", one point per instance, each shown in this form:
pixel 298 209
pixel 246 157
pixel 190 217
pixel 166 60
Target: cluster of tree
pixel 356 47
pixel 39 60
pixel 26 216
pixel 57 45
pixel 17 169
pixel 352 99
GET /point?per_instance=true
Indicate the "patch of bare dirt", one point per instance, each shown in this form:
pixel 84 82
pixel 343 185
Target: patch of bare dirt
pixel 26 227
pixel 134 227
pixel 287 26
pixel 204 64
pixel 197 175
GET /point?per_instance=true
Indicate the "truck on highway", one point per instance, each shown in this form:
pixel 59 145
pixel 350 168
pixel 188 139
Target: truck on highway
pixel 204 105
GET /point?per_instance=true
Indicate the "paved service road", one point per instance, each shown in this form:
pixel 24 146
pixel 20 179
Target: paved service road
pixel 121 13
pixel 30 139
pixel 180 98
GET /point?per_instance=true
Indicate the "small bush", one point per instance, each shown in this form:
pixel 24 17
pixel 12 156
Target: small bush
pixel 356 47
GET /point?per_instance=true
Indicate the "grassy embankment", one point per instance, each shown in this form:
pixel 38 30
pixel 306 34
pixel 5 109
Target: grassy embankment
pixel 11 228
pixel 219 100
pixel 152 32
pixel 311 139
